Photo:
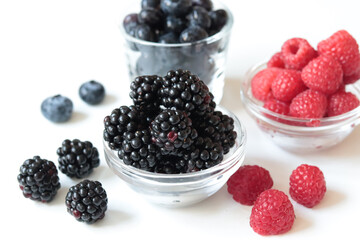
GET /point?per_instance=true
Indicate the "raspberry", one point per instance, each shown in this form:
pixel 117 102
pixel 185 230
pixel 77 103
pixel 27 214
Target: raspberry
pixel 352 78
pixel 308 104
pixel 277 106
pixel 287 85
pixel 307 185
pixel 297 52
pixel 261 83
pixel 344 48
pixel 341 102
pixel 248 182
pixel 276 61
pixel 323 74
pixel 272 213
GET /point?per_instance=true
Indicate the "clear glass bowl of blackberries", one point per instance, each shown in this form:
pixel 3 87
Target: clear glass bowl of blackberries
pixel 174 145
pixel 170 34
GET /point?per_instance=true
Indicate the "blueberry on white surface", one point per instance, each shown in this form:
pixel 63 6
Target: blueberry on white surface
pixel 57 108
pixel 92 92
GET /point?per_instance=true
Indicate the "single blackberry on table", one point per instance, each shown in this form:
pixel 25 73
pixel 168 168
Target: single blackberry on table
pixel 144 92
pixel 38 179
pixel 121 120
pixel 138 150
pixel 87 201
pixel 92 92
pixel 57 108
pixel 77 158
pixel 184 91
pixel 172 130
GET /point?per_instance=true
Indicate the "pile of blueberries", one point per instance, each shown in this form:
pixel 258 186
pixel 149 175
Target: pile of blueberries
pixel 173 22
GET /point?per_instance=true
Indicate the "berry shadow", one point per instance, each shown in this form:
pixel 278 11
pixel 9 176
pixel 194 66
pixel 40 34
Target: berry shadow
pixel 59 198
pixel 112 218
pixel 300 224
pixel 331 199
pixel 77 117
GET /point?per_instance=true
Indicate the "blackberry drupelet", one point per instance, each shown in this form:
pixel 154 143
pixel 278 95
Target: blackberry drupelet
pixel 184 91
pixel 38 179
pixel 171 165
pixel 77 158
pixel 87 201
pixel 138 150
pixel 121 120
pixel 172 130
pixel 144 90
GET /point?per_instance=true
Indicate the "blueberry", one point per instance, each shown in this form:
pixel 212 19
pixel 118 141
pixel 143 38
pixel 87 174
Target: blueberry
pixel 177 8
pixel 145 32
pixel 130 22
pixel 192 34
pixel 174 24
pixel 92 92
pixel 57 108
pixel 199 17
pixel 151 17
pixel 150 4
pixel 169 38
pixel 218 19
pixel 207 4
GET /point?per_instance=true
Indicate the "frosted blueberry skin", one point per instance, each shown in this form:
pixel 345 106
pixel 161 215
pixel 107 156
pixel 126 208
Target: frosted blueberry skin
pixel 92 92
pixel 57 108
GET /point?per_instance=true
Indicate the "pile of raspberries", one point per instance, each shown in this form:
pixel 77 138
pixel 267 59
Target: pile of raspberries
pixel 305 83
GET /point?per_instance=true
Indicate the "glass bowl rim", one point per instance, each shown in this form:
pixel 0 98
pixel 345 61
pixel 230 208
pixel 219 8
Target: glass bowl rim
pixel 226 163
pixel 329 122
pixel 219 35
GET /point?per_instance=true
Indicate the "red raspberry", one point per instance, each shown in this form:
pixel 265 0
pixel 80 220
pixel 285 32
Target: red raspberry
pixel 309 104
pixel 341 102
pixel 277 106
pixel 248 182
pixel 323 74
pixel 287 85
pixel 352 78
pixel 344 48
pixel 261 83
pixel 297 52
pixel 307 185
pixel 276 61
pixel 272 213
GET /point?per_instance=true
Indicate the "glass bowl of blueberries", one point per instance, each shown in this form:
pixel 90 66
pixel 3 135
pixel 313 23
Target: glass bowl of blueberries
pixel 174 146
pixel 169 34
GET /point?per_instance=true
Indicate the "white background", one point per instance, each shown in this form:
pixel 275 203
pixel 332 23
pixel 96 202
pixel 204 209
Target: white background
pixel 52 47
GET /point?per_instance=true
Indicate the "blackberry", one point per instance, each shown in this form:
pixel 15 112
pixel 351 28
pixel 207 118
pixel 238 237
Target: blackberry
pixel 92 92
pixel 143 92
pixel 138 150
pixel 171 165
pixel 38 179
pixel 172 130
pixel 87 201
pixel 184 91
pixel 77 158
pixel 121 120
pixel 57 108
pixel 218 127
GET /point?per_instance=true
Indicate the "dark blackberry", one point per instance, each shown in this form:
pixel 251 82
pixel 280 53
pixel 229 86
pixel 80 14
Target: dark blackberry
pixel 38 179
pixel 121 120
pixel 77 158
pixel 176 8
pixel 199 16
pixel 218 127
pixel 172 130
pixel 87 201
pixel 138 150
pixel 171 165
pixel 144 90
pixel 57 108
pixel 192 34
pixel 92 92
pixel 184 91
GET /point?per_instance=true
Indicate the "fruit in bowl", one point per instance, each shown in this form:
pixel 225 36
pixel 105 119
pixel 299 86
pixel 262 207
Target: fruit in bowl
pixel 307 99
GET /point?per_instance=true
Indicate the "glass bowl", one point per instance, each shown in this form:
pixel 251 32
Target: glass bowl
pixel 205 58
pixel 178 190
pixel 298 135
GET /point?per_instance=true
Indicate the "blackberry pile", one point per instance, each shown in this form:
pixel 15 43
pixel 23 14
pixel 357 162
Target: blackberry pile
pixel 172 127
pixel 38 179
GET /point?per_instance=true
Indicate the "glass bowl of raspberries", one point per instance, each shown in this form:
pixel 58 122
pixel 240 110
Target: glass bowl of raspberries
pixel 169 34
pixel 306 99
pixel 175 146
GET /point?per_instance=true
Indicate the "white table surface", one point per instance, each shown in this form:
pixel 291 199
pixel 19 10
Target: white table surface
pixel 50 47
